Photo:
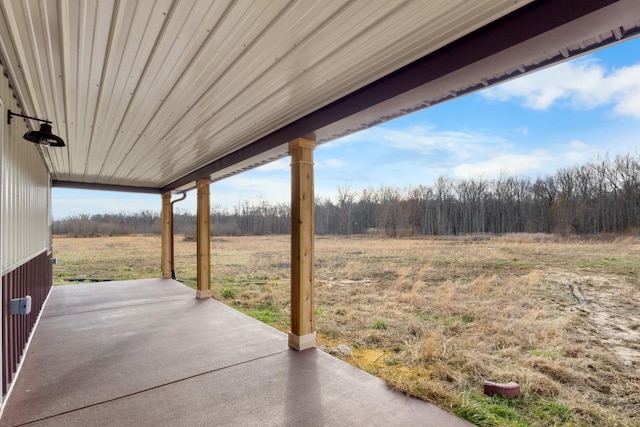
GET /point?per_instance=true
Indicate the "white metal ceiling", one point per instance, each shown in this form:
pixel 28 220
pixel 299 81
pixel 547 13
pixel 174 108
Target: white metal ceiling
pixel 145 92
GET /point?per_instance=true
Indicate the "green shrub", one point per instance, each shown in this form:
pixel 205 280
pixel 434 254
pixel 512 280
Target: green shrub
pixel 380 324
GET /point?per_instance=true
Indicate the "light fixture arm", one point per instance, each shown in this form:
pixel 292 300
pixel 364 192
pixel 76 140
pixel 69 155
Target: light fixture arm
pixel 43 136
pixel 11 114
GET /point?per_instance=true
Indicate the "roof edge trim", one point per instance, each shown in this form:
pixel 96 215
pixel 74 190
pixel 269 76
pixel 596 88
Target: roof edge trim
pixel 105 187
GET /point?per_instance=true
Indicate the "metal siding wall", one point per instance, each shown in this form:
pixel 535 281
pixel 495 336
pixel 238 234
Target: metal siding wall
pixel 2 369
pixel 25 258
pixel 25 190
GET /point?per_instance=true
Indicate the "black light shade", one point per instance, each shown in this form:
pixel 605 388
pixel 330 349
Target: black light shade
pixel 44 136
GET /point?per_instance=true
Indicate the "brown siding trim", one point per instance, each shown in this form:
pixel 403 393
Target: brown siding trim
pixel 31 278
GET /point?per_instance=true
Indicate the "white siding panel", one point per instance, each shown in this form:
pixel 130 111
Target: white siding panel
pixel 25 187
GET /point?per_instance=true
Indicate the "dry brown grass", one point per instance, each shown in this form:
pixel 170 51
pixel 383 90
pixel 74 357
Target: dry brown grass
pixel 436 317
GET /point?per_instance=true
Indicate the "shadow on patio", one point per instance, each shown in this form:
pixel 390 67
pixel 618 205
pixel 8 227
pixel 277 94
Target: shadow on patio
pixel 148 353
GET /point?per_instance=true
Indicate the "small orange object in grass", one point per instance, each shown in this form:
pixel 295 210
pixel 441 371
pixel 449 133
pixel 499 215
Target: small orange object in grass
pixel 510 389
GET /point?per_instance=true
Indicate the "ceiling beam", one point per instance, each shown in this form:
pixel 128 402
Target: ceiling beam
pixel 105 187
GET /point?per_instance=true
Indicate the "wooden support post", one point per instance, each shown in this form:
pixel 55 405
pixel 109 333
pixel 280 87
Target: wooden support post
pixel 203 240
pixel 302 335
pixel 166 236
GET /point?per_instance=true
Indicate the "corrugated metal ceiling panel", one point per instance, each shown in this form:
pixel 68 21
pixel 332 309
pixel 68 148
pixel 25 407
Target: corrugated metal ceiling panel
pixel 145 92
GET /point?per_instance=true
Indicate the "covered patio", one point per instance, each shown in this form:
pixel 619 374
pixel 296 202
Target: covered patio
pixel 171 96
pixel 148 353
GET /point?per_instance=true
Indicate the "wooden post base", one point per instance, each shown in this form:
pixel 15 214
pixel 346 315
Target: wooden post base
pixel 203 294
pixel 304 342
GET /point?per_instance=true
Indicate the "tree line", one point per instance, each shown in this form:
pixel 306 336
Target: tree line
pixel 602 196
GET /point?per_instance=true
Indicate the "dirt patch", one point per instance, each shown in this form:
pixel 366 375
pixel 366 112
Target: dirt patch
pixel 611 304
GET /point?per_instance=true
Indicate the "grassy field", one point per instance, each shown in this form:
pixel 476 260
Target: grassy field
pixel 436 317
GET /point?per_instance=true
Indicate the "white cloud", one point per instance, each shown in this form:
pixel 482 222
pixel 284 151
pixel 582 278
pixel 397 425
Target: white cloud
pixel 252 187
pixel 580 84
pixel 426 140
pixel 331 163
pixel 534 163
pixel 504 163
pixel 578 152
pixel 626 84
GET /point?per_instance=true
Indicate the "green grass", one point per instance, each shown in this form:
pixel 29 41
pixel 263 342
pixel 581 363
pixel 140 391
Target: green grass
pixel 228 293
pixel 489 411
pixel 265 315
pixel 547 354
pixel 391 361
pixel 612 265
pixel 425 317
pixel 464 319
pixel 270 314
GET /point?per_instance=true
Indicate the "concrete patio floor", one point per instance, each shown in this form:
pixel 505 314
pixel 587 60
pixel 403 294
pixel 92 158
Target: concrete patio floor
pixel 148 353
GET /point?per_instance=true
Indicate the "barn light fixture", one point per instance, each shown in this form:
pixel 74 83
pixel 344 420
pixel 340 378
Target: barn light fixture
pixel 43 136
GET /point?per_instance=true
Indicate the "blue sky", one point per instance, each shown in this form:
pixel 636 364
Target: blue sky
pixel 561 116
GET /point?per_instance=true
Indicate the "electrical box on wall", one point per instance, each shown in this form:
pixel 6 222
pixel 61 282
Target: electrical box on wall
pixel 21 305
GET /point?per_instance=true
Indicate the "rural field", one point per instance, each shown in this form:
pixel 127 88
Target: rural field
pixel 435 317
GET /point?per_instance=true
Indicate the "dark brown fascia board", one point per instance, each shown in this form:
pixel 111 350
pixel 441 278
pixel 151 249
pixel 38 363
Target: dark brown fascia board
pixel 521 25
pixel 104 187
pixel 608 26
